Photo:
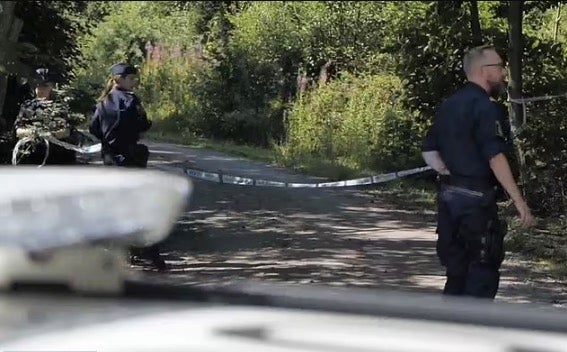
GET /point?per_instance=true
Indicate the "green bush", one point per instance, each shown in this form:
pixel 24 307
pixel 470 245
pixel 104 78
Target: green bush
pixel 357 122
pixel 544 142
pixel 543 139
pixel 168 90
pixel 122 36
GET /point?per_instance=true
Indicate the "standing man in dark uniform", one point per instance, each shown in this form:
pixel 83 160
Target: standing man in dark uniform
pixel 466 137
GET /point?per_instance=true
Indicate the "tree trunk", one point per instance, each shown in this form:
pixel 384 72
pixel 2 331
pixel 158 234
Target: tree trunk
pixel 557 21
pixel 11 65
pixel 515 58
pixel 516 46
pixel 475 24
pixel 6 33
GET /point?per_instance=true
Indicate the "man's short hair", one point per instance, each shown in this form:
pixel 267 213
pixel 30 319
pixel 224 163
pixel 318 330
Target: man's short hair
pixel 474 55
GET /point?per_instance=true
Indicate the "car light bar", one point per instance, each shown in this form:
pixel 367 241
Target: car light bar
pixel 54 207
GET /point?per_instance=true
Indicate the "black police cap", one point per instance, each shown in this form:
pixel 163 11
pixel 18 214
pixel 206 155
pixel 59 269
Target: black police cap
pixel 122 69
pixel 42 75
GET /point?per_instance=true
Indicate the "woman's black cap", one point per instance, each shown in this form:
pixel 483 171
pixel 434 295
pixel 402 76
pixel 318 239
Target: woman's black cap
pixel 122 69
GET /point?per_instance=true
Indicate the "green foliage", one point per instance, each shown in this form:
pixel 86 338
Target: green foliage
pixel 544 138
pixel 351 34
pixel 344 122
pixel 544 141
pixel 169 92
pixel 428 47
pixel 53 28
pixel 273 32
pixel 272 43
pixel 265 56
pixel 122 36
pixel 267 31
pixel 389 64
pixel 290 35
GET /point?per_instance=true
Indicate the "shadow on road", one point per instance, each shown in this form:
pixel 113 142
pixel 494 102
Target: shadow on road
pixel 335 237
pixel 339 237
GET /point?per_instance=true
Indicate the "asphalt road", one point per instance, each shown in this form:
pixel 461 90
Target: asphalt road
pixel 338 237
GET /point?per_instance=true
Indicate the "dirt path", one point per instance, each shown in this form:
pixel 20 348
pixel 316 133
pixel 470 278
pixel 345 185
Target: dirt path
pixel 312 236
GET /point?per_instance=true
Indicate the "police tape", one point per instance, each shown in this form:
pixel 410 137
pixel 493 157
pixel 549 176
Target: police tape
pixel 523 102
pixel 91 149
pixel 538 98
pixel 248 181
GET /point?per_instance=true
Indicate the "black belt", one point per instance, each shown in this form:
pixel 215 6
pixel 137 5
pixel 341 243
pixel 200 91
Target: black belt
pixel 463 190
pixel 471 184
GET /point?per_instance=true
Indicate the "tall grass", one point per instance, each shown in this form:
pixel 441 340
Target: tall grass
pixel 354 123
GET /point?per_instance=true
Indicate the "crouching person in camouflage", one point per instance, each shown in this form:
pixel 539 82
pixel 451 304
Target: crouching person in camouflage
pixel 46 114
pixel 118 122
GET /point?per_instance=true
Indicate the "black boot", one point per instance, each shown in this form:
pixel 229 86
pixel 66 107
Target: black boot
pixel 138 255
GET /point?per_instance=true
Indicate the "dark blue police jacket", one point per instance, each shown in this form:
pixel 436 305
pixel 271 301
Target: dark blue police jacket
pixel 119 121
pixel 467 133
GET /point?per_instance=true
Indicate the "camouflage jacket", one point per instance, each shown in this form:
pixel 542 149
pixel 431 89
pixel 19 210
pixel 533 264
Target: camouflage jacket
pixel 47 116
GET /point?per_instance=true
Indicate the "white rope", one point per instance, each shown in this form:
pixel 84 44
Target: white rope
pixel 524 101
pixel 539 98
pixel 17 147
pixel 31 140
pixel 46 152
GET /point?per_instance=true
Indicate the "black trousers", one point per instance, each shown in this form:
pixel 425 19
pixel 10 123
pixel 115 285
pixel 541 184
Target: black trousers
pixel 136 156
pixel 470 241
pixel 57 155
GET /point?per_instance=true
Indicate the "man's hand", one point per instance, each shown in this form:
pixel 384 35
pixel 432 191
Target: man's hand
pixel 443 171
pixel 433 160
pixel 526 217
pixel 501 168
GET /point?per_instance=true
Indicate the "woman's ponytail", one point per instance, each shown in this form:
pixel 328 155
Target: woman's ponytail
pixel 107 89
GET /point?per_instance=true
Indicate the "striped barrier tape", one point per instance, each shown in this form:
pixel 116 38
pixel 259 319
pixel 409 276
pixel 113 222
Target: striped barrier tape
pixel 523 102
pixel 533 99
pixel 248 181
pixel 91 149
pixel 48 140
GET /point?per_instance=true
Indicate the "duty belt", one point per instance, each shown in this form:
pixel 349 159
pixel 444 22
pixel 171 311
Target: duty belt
pixel 467 185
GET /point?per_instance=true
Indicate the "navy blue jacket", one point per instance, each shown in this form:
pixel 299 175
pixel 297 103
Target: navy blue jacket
pixel 467 133
pixel 119 121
